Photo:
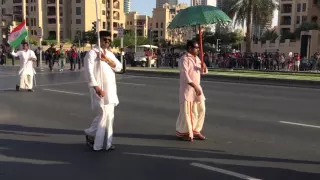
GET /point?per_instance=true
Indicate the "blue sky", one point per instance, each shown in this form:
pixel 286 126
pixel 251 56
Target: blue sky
pixel 145 7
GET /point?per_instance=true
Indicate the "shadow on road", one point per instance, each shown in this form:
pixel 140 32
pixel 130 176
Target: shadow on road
pixel 39 160
pixel 22 159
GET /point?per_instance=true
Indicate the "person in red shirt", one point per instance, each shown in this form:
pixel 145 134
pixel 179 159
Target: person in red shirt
pixel 73 58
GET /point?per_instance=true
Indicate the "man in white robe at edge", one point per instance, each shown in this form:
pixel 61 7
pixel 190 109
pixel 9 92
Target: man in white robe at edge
pixel 103 92
pixel 26 72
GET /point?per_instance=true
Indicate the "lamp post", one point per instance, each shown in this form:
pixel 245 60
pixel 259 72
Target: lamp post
pixel 135 35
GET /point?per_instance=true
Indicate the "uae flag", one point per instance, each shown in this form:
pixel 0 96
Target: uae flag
pixel 18 34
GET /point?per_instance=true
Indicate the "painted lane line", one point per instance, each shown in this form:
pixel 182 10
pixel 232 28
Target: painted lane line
pixel 230 173
pixel 8 89
pixel 134 84
pixel 66 83
pixel 65 92
pixel 299 124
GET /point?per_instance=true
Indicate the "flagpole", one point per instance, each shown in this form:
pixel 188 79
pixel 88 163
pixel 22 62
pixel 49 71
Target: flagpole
pixel 98 39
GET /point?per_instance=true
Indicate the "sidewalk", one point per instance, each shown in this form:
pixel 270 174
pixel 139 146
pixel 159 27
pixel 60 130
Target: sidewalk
pixel 44 66
pixel 263 78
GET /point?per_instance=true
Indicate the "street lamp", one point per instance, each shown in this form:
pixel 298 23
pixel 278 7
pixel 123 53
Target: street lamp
pixel 135 34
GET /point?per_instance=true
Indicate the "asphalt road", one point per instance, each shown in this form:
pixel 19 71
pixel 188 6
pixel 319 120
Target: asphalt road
pixel 250 129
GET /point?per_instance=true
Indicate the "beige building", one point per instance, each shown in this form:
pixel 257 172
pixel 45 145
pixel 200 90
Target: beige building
pixel 61 19
pixel 139 23
pixel 293 13
pixel 161 19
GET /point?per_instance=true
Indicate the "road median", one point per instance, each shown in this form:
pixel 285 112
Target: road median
pixel 310 80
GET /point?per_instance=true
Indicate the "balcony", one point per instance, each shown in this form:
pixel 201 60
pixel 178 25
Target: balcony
pixel 51 1
pixel 285 20
pixel 286 8
pixel 17 1
pixel 17 10
pixel 17 18
pixel 52 21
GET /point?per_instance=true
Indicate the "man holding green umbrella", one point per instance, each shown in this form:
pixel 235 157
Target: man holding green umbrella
pixel 192 101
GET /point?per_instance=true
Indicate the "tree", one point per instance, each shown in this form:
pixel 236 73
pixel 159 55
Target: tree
pixel 129 41
pixel 227 38
pixel 249 10
pixel 269 35
pixel 91 36
pixel 306 26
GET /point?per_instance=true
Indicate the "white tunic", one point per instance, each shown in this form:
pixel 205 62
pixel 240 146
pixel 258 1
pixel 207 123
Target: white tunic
pixel 26 65
pixel 103 77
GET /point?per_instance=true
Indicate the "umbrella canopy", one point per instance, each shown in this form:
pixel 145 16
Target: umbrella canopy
pixel 199 15
pixel 149 46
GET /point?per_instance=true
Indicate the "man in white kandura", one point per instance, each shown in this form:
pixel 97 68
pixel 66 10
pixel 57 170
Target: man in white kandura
pixel 27 72
pixel 103 91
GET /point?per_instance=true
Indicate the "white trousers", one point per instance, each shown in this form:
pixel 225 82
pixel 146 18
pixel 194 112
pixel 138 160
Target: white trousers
pixel 102 126
pixel 26 81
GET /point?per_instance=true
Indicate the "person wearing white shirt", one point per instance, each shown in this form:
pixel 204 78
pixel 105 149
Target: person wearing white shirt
pixel 103 90
pixel 27 72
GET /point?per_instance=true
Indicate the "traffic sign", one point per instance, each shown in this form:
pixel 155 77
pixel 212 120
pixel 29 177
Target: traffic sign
pixel 120 32
pixel 39 32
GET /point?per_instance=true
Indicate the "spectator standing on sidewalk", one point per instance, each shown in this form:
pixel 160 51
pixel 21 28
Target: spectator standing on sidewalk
pixel 62 56
pixel 37 52
pixel 51 56
pixel 73 58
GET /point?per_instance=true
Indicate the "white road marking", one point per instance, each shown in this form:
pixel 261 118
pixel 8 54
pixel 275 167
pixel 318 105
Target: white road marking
pixel 134 84
pixel 58 84
pixel 299 124
pixel 213 82
pixel 10 159
pixel 230 173
pixel 8 89
pixel 65 92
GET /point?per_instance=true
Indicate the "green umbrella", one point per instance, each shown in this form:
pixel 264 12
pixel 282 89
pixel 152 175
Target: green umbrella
pixel 197 16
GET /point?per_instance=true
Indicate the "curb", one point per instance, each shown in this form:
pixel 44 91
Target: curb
pixel 233 79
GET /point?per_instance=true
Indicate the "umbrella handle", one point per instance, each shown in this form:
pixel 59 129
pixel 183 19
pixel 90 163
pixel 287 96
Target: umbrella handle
pixel 201 47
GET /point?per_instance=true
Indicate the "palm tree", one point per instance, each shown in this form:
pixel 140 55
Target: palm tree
pixel 269 34
pixel 258 12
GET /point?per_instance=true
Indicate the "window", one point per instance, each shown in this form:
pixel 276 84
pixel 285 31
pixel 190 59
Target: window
pixel 78 21
pixel 162 25
pixel 103 12
pixel 78 11
pixel 298 19
pixel 304 7
pixel 103 1
pixel 78 1
pixel 161 33
pixel 127 22
pixel 103 25
pixel 156 25
pixel 304 18
pixel 299 7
